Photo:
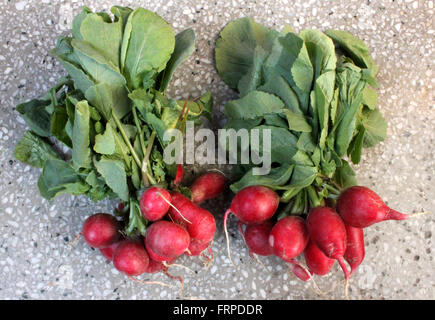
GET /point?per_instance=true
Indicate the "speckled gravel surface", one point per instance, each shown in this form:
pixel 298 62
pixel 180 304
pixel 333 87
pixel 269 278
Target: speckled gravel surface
pixel 35 261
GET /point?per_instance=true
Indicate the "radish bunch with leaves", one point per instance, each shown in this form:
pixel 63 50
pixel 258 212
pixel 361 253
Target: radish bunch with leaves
pixel 315 93
pixel 99 132
pixel 110 111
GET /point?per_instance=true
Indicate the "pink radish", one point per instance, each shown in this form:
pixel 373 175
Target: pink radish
pixel 108 252
pixel 317 262
pixel 207 186
pixel 288 238
pixel 328 233
pixel 254 204
pixel 155 203
pixel 179 175
pixel 355 251
pixel 100 230
pixel 301 273
pixel 361 207
pixel 199 222
pixel 257 238
pixel 167 240
pixel 131 258
pixel 196 247
pixel 251 205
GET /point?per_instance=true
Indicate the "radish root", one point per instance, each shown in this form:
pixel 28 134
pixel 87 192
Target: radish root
pixel 412 215
pixel 76 238
pixel 150 282
pixel 176 265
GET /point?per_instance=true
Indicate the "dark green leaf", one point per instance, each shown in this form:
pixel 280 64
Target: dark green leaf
pixel 33 150
pixel 254 104
pixel 276 177
pixel 35 114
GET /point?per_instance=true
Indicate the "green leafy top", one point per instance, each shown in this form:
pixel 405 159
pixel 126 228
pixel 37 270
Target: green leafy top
pixel 314 91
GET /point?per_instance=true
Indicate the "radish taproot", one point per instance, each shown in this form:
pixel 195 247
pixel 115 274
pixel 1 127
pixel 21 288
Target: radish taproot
pixel 167 240
pixel 328 232
pixel 155 203
pixel 288 238
pixel 131 258
pixel 257 238
pixel 355 250
pixel 251 205
pixel 207 186
pixel 100 230
pixel 361 207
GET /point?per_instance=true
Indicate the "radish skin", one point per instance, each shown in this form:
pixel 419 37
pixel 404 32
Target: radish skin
pixel 288 238
pixel 207 186
pixel 257 238
pixel 355 250
pixel 108 252
pixel 317 262
pixel 131 258
pixel 360 207
pixel 251 205
pixel 167 240
pixel 155 203
pixel 199 222
pixel 100 230
pixel 328 233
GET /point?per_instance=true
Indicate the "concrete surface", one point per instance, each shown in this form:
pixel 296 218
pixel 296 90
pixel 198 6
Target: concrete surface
pixel 35 262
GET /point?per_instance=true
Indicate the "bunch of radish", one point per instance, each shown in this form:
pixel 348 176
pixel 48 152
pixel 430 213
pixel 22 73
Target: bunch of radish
pixel 325 235
pixel 177 226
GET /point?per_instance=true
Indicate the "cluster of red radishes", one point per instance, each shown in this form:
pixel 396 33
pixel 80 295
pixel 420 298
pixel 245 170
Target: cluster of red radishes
pixel 327 234
pixel 177 225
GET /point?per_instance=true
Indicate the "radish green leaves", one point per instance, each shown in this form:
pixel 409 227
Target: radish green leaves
pixel 321 85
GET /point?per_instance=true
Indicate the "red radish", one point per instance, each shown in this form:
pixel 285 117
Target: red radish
pixel 361 207
pixel 100 230
pixel 167 240
pixel 300 272
pixel 207 186
pixel 257 238
pixel 355 250
pixel 196 247
pixel 156 266
pixel 108 252
pixel 179 175
pixel 288 238
pixel 155 203
pixel 254 204
pixel 154 256
pixel 200 223
pixel 251 205
pixel 317 262
pixel 131 258
pixel 328 233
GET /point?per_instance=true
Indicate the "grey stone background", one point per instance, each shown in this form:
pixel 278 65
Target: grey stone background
pixel 35 262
